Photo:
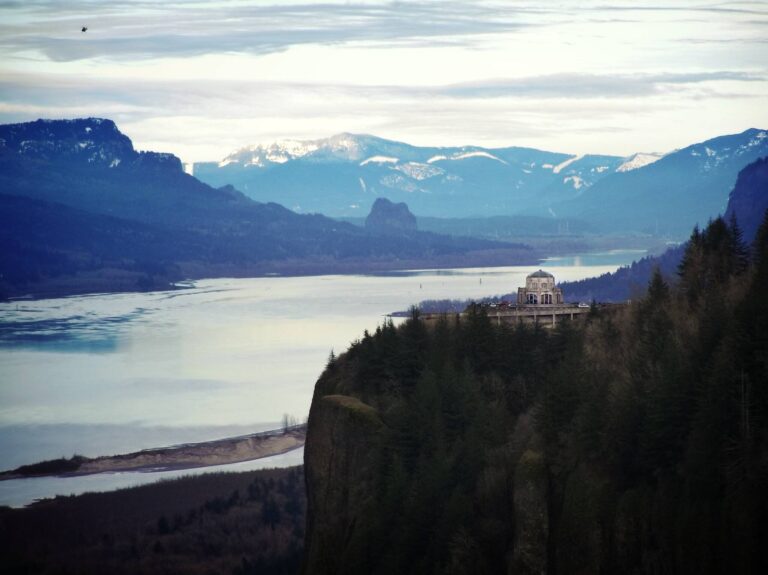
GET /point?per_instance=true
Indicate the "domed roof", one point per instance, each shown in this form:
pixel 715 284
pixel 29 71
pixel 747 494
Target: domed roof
pixel 541 274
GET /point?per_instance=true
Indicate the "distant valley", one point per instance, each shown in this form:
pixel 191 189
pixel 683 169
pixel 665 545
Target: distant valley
pixel 82 211
pixel 341 176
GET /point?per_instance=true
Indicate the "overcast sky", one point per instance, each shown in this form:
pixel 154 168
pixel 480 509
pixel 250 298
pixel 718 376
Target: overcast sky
pixel 201 79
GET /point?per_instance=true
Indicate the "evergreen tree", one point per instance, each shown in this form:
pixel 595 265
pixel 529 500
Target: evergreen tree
pixel 738 247
pixel 637 438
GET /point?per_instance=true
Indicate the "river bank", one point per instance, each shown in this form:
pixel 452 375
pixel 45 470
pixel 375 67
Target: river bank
pixel 176 457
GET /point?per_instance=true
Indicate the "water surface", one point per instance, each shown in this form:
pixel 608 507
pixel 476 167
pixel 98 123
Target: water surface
pixel 21 492
pixel 111 373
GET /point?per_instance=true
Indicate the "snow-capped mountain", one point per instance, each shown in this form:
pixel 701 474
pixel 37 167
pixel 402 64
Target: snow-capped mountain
pixel 80 209
pixel 639 160
pixel 343 175
pixel 671 194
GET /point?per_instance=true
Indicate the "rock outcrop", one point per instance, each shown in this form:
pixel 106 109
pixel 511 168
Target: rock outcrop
pixel 341 467
pixel 749 198
pixel 389 218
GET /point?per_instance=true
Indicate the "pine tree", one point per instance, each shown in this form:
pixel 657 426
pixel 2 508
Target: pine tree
pixel 739 248
pixel 691 266
pixel 658 290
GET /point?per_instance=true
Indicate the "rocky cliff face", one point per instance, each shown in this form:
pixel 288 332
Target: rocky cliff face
pixel 95 141
pixel 350 490
pixel 749 199
pixel 390 218
pixel 344 444
pixel 407 473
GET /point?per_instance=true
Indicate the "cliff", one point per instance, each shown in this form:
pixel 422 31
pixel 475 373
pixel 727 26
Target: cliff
pixel 342 507
pixel 748 200
pixel 633 442
pixel 389 218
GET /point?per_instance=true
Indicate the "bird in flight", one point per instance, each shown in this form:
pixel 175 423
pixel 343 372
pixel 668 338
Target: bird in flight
pixel 84 29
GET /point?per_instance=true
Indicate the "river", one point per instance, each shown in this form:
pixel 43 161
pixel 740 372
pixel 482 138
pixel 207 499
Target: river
pixel 111 373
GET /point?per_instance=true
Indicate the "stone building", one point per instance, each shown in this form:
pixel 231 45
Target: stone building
pixel 539 289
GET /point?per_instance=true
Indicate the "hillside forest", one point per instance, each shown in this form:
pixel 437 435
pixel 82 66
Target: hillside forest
pixel 635 441
pixel 244 523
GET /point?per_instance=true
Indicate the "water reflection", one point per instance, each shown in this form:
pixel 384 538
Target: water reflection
pixel 614 257
pixel 223 352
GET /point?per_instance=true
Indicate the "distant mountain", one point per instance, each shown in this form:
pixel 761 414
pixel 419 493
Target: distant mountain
pixel 749 199
pixel 672 194
pixel 88 164
pixel 81 209
pixel 51 249
pixel 638 161
pixel 341 176
pixel 344 174
pixel 748 202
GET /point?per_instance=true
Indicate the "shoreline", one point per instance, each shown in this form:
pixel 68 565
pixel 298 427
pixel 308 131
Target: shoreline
pixel 98 283
pixel 172 458
pixel 56 289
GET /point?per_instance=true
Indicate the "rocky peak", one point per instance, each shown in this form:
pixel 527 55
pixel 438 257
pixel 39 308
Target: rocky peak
pixel 389 218
pixel 340 147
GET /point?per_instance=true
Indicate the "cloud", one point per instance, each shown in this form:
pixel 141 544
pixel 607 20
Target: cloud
pixel 201 78
pixel 571 86
pixel 140 29
pixel 30 95
pixel 147 30
pixel 723 8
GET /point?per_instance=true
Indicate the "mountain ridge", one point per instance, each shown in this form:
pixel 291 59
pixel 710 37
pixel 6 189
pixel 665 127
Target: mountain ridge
pixel 694 181
pixel 747 203
pixel 342 175
pixel 95 198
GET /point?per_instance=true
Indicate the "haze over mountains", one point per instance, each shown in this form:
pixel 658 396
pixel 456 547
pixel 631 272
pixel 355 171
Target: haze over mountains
pixel 79 203
pixel 341 176
pixel 671 195
pixel 81 210
pixel 747 206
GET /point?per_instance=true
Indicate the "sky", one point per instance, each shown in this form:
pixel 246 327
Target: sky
pixel 201 79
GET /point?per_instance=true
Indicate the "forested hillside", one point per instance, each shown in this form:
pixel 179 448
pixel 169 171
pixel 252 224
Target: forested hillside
pixel 747 203
pixel 249 523
pixel 632 442
pixel 82 211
